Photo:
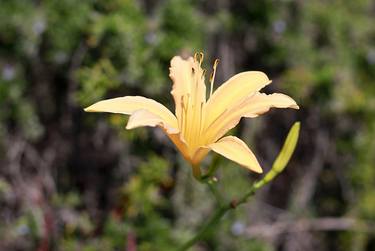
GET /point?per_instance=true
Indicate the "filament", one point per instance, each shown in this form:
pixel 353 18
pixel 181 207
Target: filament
pixel 212 77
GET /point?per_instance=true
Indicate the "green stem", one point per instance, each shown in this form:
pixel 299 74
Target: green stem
pixel 212 222
pixel 212 168
pixel 219 213
pixel 197 172
pixel 215 192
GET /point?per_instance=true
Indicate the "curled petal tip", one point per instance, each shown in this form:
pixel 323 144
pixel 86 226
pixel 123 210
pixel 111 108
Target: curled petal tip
pixel 294 105
pixel 92 108
pixel 88 109
pixel 257 170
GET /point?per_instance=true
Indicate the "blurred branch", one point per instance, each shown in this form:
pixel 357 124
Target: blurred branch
pixel 75 64
pixel 306 186
pixel 305 225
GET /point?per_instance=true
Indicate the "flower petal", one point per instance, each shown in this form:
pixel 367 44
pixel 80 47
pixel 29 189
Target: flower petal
pixel 130 104
pixel 145 118
pixel 251 107
pixel 189 93
pixel 236 150
pixel 261 103
pixel 187 81
pixel 181 74
pixel 181 145
pixel 141 118
pixel 233 91
pixel 200 154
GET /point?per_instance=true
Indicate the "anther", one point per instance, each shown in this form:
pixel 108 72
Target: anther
pixel 201 58
pixel 216 63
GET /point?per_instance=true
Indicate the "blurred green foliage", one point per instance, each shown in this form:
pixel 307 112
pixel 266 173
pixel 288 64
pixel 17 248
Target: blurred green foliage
pixel 71 182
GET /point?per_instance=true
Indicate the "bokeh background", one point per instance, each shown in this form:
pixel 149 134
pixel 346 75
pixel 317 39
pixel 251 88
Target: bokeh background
pixel 70 180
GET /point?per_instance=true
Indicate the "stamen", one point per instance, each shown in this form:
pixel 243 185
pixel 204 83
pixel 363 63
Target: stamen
pixel 201 58
pixel 196 55
pixel 182 112
pixel 201 122
pixel 212 76
pixel 184 99
pixel 216 63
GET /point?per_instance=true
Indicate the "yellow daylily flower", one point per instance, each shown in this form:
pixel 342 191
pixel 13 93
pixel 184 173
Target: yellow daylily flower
pixel 199 125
